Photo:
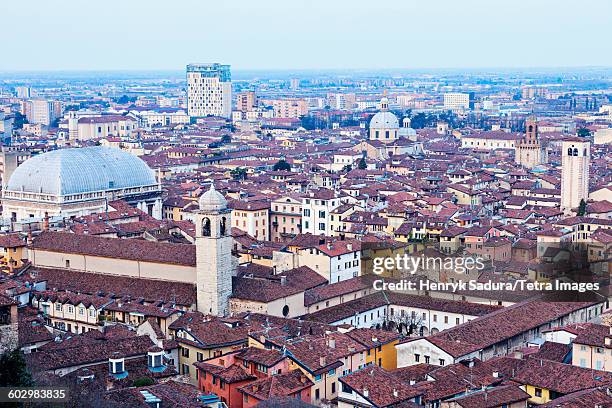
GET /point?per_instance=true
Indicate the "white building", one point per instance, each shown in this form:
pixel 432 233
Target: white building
pixel 576 158
pixel 41 111
pixel 335 261
pixel 209 90
pixel 77 182
pixel 316 209
pixel 457 101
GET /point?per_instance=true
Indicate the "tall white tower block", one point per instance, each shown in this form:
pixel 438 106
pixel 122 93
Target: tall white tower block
pixel 576 158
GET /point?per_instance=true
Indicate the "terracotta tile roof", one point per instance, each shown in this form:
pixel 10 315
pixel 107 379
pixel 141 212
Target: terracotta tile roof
pixel 588 398
pixel 115 286
pixel 379 387
pixel 211 332
pixel 132 249
pixel 280 385
pixel 561 378
pixel 12 241
pixel 492 398
pixel 502 324
pixel 232 374
pixel 88 353
pixel 274 287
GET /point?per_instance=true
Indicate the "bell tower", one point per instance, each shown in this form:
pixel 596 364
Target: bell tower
pixel 214 263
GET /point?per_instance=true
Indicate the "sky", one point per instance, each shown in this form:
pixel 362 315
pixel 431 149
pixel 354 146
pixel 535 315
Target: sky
pixel 42 35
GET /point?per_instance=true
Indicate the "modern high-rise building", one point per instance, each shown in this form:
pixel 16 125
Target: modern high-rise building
pixel 23 92
pixel 42 111
pixel 209 90
pixel 458 101
pixel 246 101
pixel 289 107
pixel 576 158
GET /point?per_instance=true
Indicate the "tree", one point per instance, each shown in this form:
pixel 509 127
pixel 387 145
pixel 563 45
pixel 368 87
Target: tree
pixel 282 165
pixel 582 208
pixel 362 165
pixel 583 132
pixel 13 370
pixel 404 323
pixel 143 382
pixel 239 173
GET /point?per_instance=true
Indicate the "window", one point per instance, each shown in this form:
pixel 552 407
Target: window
pixel 441 361
pixel 200 356
pixel 317 394
pixel 332 372
pixel 58 307
pixel 417 357
pixel 538 392
pixel 67 263
pixel 333 387
pixel 426 359
pixel 185 352
pixel 318 377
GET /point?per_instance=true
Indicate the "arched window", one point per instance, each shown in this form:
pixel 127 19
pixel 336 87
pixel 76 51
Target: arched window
pixel 569 151
pixel 206 227
pixel 585 152
pixel 222 226
pixel 575 151
pixel 530 128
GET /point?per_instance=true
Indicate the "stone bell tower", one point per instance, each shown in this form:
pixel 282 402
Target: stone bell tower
pixel 214 261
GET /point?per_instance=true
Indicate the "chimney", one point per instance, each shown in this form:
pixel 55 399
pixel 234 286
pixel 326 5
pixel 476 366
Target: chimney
pixel 331 343
pixel 85 375
pixel 329 246
pixel 283 280
pixel 395 393
pixel 45 226
pixel 495 374
pixel 366 393
pixel 349 247
pixel 374 339
pixel 412 382
pixel 322 361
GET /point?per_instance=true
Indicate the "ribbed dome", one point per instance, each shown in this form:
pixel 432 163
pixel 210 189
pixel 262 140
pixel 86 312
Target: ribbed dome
pixel 212 200
pixel 81 170
pixel 384 120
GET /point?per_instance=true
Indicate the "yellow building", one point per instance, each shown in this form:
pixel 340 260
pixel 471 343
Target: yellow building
pixel 380 346
pixel 12 248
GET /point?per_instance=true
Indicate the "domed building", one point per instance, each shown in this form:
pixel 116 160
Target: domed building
pixel 384 126
pixel 79 181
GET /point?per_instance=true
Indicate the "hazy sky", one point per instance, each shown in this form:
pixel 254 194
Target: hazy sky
pixel 300 34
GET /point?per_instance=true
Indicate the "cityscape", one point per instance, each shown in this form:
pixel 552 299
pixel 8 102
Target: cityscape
pixel 268 223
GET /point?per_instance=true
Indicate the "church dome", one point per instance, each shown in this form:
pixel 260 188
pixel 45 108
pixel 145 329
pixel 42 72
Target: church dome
pixel 212 200
pixel 80 170
pixel 384 120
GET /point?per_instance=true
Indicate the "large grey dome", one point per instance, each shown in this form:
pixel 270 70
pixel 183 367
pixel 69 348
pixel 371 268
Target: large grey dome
pixel 81 170
pixel 384 120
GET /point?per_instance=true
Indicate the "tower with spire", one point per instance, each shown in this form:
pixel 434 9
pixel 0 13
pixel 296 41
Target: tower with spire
pixel 214 262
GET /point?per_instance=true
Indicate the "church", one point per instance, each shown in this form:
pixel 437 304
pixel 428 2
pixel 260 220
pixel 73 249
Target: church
pixel 386 138
pixel 165 272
